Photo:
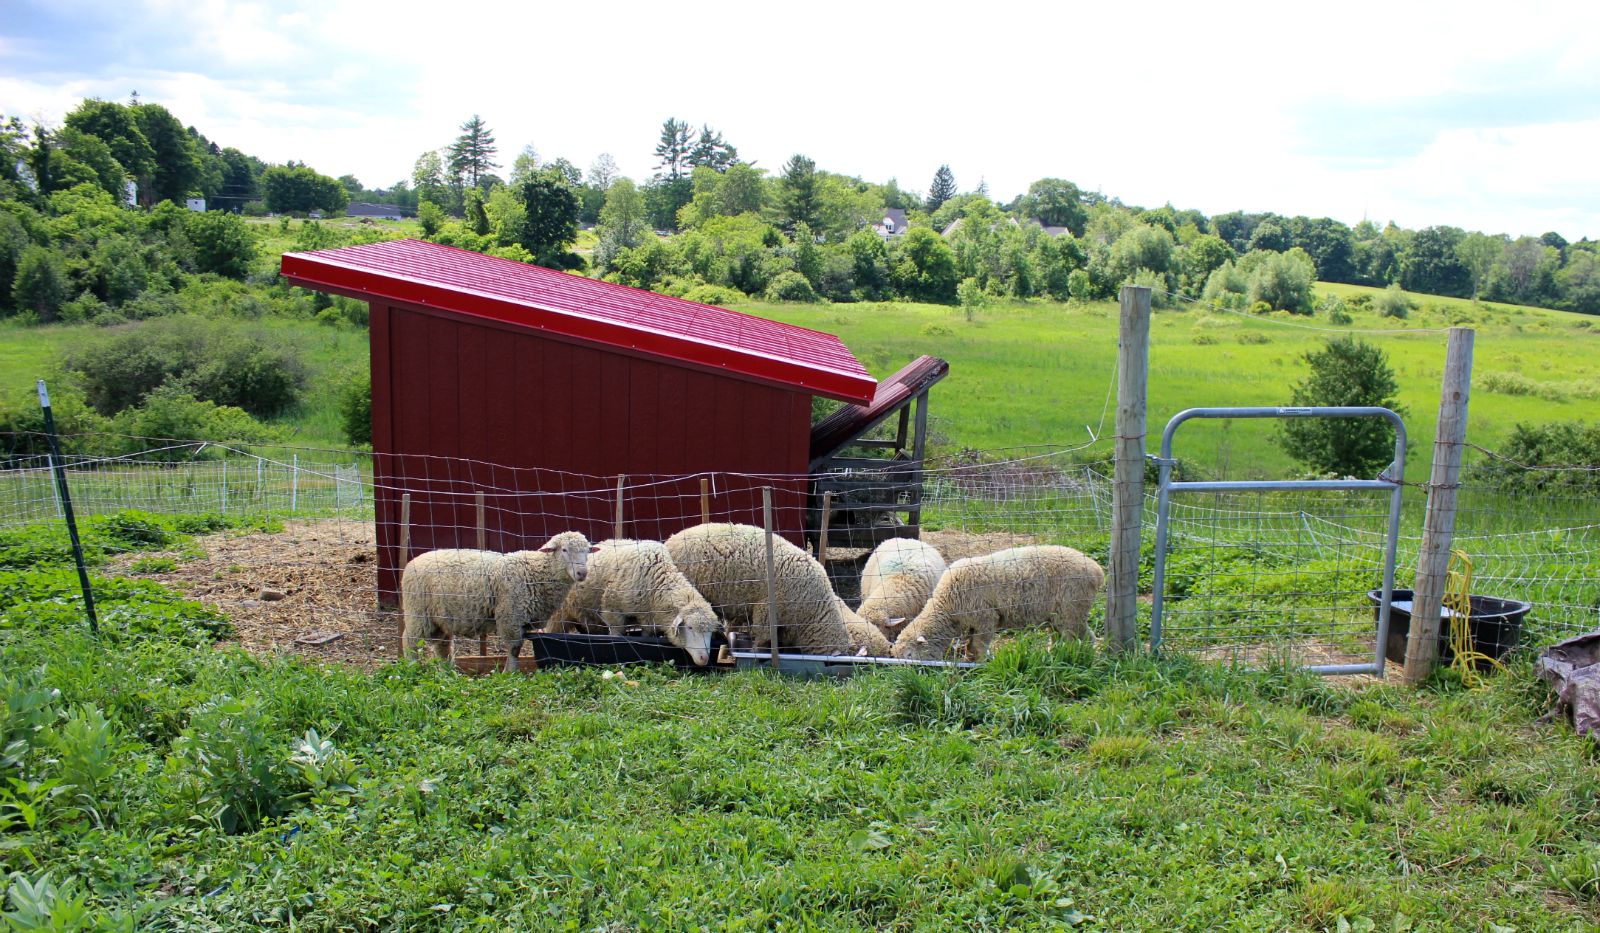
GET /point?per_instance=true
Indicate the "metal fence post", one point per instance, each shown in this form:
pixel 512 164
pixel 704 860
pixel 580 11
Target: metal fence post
pixel 1127 491
pixel 224 484
pixel 64 496
pixel 772 580
pixel 294 483
pixel 1439 525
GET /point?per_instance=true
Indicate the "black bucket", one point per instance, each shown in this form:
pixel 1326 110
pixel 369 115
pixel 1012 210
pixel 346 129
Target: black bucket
pixel 1496 625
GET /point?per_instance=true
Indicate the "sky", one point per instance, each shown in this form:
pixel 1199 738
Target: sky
pixel 1481 116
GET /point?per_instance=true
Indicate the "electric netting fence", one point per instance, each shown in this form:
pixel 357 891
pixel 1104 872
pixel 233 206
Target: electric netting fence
pixel 305 551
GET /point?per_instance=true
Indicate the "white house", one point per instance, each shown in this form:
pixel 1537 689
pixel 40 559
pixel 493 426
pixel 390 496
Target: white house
pixel 195 204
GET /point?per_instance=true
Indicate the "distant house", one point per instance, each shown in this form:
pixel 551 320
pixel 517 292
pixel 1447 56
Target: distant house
pixel 893 223
pixel 195 204
pixel 130 193
pixel 1048 229
pixel 365 209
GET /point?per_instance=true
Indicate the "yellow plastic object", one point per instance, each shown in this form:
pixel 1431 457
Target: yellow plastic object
pixel 1458 599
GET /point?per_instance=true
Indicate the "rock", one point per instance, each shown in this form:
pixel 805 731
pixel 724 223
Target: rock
pixel 271 595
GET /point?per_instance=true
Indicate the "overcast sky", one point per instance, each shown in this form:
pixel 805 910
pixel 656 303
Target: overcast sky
pixel 1484 116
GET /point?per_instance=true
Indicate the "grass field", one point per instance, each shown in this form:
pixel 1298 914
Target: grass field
pixel 1038 373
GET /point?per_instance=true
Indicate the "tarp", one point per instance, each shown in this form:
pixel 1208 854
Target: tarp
pixel 1572 668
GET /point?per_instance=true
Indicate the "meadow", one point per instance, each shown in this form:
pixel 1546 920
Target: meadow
pixel 1039 372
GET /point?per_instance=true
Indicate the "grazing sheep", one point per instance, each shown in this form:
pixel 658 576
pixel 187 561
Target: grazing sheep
pixel 638 579
pixel 727 564
pixel 1010 589
pixel 458 592
pixel 868 639
pixel 897 581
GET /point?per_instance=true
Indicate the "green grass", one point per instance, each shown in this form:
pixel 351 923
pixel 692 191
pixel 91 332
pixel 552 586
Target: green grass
pixel 1052 788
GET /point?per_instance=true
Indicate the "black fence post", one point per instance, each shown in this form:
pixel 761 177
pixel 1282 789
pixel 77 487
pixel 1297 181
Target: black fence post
pixel 60 470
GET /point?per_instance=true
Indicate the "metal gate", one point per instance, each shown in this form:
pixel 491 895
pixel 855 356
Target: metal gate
pixel 1276 566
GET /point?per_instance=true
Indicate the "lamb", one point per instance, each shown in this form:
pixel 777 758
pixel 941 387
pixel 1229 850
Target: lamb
pixel 727 564
pixel 1010 589
pixel 896 583
pixel 458 592
pixel 638 579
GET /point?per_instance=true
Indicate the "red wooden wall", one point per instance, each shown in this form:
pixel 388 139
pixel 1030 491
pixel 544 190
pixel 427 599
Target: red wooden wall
pixel 542 428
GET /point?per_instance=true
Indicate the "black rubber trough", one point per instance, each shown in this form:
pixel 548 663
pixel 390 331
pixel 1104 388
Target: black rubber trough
pixel 546 650
pixel 1496 625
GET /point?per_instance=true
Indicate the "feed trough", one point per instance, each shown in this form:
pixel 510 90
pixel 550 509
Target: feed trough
pixel 1496 625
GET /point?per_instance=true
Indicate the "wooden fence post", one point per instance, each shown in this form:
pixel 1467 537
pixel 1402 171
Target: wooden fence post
pixel 1127 490
pixel 617 532
pixel 1439 525
pixel 483 545
pixel 405 558
pixel 822 536
pixel 772 576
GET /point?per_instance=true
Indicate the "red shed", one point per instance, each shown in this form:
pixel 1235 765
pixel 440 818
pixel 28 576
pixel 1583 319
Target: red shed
pixel 509 398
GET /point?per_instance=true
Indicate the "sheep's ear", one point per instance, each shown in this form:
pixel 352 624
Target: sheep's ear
pixel 547 549
pixel 922 640
pixel 594 549
pixel 893 622
pixel 677 624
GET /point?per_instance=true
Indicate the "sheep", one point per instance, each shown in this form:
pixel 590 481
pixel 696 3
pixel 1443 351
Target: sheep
pixel 867 638
pixel 727 564
pixel 896 583
pixel 637 578
pixel 458 592
pixel 1010 589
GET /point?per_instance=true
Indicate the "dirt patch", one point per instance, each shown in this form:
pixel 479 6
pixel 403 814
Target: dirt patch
pixel 319 580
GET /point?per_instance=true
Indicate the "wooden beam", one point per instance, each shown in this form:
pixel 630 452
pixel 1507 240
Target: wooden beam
pixel 1127 491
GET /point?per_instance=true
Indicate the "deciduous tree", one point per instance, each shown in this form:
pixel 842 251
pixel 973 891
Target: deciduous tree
pixel 1347 371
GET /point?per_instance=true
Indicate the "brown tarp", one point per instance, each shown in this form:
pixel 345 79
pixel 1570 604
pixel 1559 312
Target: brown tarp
pixel 1572 668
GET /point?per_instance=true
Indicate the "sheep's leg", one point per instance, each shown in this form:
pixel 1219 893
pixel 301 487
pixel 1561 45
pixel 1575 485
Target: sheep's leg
pixel 513 651
pixel 441 645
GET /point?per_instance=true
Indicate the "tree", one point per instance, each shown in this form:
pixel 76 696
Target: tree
pixel 472 154
pixel 942 189
pixel 1431 265
pixel 477 217
pixel 797 192
pixel 568 171
pixel 1055 202
pixel 1479 252
pixel 1201 258
pixel 552 222
pixel 291 188
pixel 524 165
pixel 427 178
pixel 114 125
pixel 672 152
pixel 712 151
pixel 90 160
pixel 924 268
pixel 1347 371
pixel 176 168
pixel 623 222
pixel 431 216
pixel 1282 280
pixel 222 243
pixel 603 172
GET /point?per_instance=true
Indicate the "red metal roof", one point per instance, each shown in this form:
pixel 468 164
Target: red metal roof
pixel 430 275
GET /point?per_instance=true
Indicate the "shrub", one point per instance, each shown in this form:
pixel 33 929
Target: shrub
pixel 1080 286
pixel 1394 302
pixel 718 295
pixel 172 412
pixel 1252 337
pixel 355 408
pixel 216 361
pixel 40 286
pixel 431 216
pixel 228 766
pixel 222 243
pixel 790 286
pixel 1556 443
pixel 83 309
pixel 1347 371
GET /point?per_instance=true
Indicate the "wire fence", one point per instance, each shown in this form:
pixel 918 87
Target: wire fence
pixel 305 551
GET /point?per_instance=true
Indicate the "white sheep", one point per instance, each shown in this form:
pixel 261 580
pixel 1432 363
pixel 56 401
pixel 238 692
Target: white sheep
pixel 727 564
pixel 978 596
pixel 897 581
pixel 458 592
pixel 637 579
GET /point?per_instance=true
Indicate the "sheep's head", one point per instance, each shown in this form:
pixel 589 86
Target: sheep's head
pixel 691 630
pixel 571 551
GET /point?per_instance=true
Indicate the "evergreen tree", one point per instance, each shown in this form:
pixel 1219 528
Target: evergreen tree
pixel 1347 371
pixel 472 154
pixel 942 189
pixel 672 152
pixel 797 192
pixel 712 151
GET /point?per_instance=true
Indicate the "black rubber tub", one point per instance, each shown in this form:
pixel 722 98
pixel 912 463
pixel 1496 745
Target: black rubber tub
pixel 1496 625
pixel 553 650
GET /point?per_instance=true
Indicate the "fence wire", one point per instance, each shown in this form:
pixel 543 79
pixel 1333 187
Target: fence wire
pixel 300 551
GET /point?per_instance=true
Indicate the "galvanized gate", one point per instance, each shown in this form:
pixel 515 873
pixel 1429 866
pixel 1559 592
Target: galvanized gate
pixel 1251 550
